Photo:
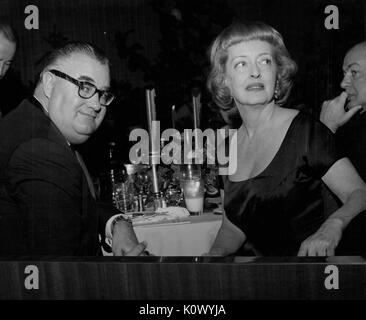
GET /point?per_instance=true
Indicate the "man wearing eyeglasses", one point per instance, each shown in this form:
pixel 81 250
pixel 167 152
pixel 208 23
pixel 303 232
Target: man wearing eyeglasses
pixel 47 201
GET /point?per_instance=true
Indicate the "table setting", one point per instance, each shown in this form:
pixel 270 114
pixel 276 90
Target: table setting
pixel 175 208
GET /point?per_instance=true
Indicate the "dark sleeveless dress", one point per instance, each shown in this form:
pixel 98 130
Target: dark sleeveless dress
pixel 280 207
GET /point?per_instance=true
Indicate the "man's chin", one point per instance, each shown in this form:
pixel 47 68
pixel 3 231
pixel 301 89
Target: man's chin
pixel 85 128
pixel 81 136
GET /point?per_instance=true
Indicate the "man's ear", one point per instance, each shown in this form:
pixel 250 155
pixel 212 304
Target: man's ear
pixel 48 82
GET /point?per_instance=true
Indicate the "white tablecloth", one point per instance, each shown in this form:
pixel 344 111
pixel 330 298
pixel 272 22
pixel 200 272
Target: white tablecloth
pixel 191 238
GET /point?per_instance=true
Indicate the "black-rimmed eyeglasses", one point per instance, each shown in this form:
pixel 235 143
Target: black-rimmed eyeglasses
pixel 86 89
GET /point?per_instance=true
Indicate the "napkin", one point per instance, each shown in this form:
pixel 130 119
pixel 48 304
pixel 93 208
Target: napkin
pixel 161 215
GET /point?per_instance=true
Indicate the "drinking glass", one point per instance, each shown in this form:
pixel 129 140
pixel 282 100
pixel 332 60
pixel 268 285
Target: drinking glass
pixel 193 189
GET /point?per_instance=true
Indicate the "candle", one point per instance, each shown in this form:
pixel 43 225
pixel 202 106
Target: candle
pixel 196 97
pixel 195 119
pixel 199 107
pixel 196 101
pixel 150 105
pixel 155 146
pixel 173 116
pixel 153 108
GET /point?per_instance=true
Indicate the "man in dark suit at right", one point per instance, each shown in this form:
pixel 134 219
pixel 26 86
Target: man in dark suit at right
pixel 47 200
pixel 345 114
pixel 346 117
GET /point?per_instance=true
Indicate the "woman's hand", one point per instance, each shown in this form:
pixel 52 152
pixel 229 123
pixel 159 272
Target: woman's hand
pixel 324 241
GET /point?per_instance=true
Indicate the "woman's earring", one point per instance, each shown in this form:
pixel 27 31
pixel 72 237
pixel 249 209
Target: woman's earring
pixel 277 91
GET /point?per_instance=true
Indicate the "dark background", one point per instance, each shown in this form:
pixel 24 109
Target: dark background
pixel 163 43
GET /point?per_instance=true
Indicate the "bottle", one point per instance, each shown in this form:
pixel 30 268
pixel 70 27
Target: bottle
pixel 141 202
pixel 112 171
pixel 107 176
pixel 118 188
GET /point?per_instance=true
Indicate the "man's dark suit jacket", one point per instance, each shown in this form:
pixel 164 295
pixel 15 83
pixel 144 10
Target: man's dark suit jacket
pixel 46 207
pixel 351 139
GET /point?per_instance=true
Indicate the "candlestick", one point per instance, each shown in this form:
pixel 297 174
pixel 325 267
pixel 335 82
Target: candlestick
pixel 155 179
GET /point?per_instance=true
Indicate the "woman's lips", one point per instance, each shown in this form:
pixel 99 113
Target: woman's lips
pixel 255 86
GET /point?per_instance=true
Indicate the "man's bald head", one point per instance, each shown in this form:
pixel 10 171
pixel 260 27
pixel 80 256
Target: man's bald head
pixel 359 47
pixel 354 80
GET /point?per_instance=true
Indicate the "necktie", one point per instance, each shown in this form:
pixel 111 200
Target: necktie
pixel 86 173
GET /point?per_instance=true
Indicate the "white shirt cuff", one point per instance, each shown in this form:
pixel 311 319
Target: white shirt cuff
pixel 108 229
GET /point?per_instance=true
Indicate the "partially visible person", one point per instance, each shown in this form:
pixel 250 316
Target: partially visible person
pixel 273 200
pixel 47 199
pixel 8 46
pixel 345 115
pixel 11 88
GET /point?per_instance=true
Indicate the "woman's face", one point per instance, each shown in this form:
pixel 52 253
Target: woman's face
pixel 251 72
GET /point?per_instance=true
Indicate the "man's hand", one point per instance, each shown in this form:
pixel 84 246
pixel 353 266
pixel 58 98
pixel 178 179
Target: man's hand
pixel 124 241
pixel 324 241
pixel 139 250
pixel 333 114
